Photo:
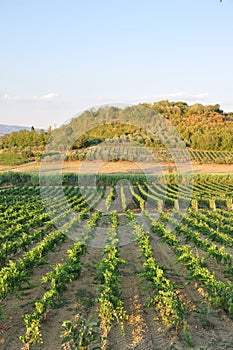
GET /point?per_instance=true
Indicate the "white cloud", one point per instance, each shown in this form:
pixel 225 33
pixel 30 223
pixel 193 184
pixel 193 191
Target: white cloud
pixel 46 97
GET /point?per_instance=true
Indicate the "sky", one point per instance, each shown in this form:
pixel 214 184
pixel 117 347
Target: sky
pixel 60 57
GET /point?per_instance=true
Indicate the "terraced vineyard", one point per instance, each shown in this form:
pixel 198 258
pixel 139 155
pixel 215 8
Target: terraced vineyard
pixel 108 151
pixel 149 262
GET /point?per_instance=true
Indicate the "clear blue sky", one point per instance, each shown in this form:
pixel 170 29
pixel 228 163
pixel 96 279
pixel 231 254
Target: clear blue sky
pixel 59 57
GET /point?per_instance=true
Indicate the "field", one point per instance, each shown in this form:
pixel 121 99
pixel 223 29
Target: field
pixel 150 261
pixel 119 167
pixel 108 151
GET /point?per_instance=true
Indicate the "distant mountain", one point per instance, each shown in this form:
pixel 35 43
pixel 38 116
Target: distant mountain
pixel 7 129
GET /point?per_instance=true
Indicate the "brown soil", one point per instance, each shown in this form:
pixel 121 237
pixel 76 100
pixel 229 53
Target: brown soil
pixel 209 328
pixel 121 167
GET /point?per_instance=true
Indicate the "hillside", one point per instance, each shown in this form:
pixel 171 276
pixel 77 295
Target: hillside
pixel 200 127
pixel 23 146
pixel 115 134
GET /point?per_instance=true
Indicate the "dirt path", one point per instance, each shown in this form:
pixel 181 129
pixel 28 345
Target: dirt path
pixel 142 331
pixel 79 298
pixel 121 167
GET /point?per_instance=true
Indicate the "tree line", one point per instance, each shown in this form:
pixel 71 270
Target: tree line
pixel 203 127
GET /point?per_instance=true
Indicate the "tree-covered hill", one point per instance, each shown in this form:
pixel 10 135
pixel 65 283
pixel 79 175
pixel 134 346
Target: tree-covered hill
pixel 22 146
pixel 205 128
pixel 20 140
pixel 201 127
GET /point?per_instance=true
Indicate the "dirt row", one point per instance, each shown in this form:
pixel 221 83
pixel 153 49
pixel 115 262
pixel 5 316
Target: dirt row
pixel 208 328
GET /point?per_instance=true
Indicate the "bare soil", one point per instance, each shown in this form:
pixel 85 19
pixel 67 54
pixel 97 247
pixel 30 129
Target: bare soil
pixel 208 328
pixel 120 167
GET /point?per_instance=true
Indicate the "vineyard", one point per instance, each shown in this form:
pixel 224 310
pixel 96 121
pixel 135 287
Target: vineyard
pixel 134 263
pixel 119 149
